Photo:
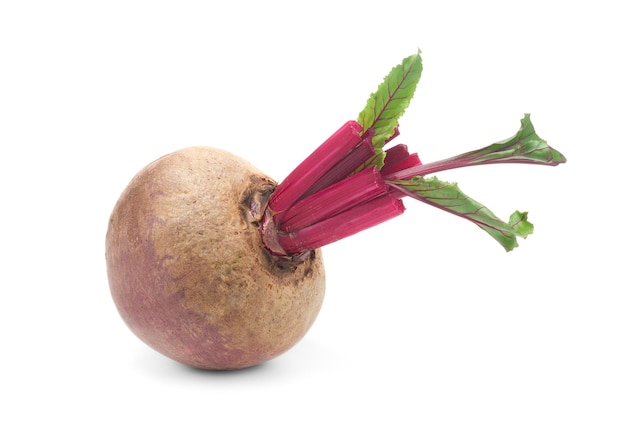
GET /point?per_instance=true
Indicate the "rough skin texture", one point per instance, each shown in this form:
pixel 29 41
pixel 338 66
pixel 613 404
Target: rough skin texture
pixel 188 271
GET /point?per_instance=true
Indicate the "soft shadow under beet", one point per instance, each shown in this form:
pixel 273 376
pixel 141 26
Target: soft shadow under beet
pixel 248 371
pixel 153 363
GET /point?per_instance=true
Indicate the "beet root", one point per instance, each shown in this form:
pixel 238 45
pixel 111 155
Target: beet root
pixel 188 271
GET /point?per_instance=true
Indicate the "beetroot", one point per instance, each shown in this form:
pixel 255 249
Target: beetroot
pixel 215 265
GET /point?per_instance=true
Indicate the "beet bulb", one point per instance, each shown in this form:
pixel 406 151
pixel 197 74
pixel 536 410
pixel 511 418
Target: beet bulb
pixel 188 271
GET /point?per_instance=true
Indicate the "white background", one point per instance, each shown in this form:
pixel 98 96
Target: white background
pixel 430 333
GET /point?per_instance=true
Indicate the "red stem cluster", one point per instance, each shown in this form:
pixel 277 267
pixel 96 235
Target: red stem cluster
pixel 330 195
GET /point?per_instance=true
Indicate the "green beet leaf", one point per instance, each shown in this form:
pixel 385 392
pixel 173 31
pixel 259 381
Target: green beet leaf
pixel 385 106
pixel 450 198
pixel 525 147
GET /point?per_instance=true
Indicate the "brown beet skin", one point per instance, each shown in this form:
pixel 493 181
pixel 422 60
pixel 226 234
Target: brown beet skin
pixel 187 269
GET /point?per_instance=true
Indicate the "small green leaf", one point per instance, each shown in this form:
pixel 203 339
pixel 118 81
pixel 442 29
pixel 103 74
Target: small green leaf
pixel 519 221
pixel 524 147
pixel 385 106
pixel 450 198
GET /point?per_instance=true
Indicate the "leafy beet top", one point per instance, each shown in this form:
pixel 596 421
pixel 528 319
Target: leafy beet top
pixel 352 182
